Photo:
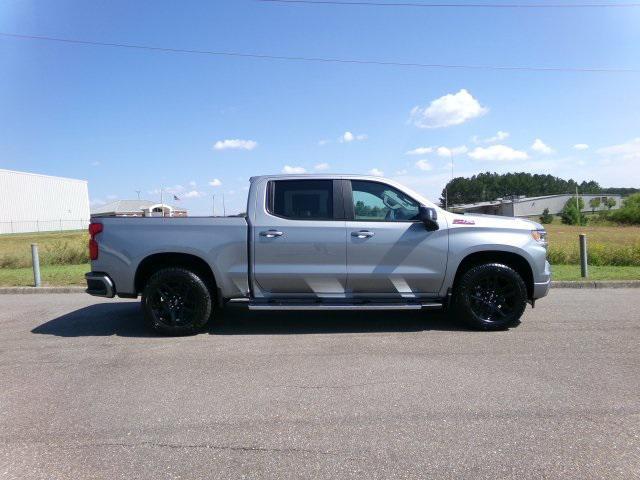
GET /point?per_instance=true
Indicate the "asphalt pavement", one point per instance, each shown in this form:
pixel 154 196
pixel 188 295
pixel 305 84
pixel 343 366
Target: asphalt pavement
pixel 86 392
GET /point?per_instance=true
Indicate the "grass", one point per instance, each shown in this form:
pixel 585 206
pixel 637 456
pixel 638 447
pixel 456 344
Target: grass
pixel 74 274
pixel 572 272
pixel 567 235
pixel 50 274
pixel 607 245
pixel 614 254
pixel 55 248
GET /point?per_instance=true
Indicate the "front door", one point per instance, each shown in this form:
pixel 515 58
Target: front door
pixel 389 251
pixel 300 241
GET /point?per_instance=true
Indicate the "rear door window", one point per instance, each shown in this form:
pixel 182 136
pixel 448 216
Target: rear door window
pixel 302 199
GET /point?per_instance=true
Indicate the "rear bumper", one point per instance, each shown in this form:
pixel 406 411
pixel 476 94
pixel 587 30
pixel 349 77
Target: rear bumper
pixel 99 285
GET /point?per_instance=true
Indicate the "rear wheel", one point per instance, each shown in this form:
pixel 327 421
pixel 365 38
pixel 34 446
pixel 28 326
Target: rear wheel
pixel 176 301
pixel 490 297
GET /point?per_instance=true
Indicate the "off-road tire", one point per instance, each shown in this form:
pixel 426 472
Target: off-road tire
pixel 176 302
pixel 490 296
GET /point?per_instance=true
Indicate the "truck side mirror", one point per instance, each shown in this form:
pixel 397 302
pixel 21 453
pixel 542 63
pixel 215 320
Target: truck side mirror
pixel 429 217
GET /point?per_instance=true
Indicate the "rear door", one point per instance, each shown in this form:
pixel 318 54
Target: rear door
pixel 299 239
pixel 389 251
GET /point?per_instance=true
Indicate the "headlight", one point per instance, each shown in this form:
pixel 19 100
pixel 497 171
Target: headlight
pixel 540 236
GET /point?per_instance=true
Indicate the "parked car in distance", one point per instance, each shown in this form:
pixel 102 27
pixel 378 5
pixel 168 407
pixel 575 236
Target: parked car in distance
pixel 322 242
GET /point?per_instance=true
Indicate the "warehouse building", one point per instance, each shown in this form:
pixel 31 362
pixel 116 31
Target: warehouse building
pixel 137 208
pixel 31 202
pixel 521 206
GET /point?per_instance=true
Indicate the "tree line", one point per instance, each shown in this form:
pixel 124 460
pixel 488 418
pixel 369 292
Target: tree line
pixel 490 186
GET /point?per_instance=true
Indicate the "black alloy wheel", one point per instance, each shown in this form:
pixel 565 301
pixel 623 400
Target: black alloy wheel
pixel 176 301
pixel 490 297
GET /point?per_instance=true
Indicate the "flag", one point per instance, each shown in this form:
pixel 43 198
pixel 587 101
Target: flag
pixel 175 197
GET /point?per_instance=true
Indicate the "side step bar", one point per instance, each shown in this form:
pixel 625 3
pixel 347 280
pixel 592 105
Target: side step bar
pixel 344 306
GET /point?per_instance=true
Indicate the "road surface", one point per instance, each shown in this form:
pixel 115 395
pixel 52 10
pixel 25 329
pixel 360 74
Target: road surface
pixel 87 393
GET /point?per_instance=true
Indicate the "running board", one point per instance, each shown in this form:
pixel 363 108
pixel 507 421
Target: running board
pixel 344 306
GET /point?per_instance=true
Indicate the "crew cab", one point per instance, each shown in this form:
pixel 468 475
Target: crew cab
pixel 322 242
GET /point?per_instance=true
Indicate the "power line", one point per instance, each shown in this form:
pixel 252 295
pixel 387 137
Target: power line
pixel 323 59
pixel 454 5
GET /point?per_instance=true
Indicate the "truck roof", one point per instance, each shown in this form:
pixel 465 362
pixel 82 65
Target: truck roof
pixel 313 176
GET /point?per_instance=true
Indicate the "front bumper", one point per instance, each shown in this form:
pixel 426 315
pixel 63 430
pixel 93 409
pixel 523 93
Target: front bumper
pixel 99 285
pixel 541 289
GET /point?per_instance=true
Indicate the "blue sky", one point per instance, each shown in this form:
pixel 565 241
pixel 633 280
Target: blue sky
pixel 130 120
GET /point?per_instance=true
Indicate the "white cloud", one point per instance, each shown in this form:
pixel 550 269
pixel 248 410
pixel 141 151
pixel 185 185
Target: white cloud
pixel 323 142
pixel 320 167
pixel 111 197
pixel 581 146
pixel 624 151
pixel 423 165
pixel 193 183
pixel 619 165
pixel 193 194
pixel 235 144
pixel 215 182
pixel 448 152
pixel 376 172
pixel 348 137
pixel 446 111
pixel 498 137
pixel 420 151
pixel 95 163
pixel 497 153
pixel 540 147
pixel 290 169
pixel 402 172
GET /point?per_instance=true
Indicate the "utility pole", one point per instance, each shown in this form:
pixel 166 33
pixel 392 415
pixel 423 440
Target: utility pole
pixel 213 204
pixel 138 192
pixel 224 209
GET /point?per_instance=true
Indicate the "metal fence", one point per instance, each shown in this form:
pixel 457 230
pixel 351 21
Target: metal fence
pixel 30 226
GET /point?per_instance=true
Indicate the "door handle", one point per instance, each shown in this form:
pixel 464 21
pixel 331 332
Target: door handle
pixel 271 234
pixel 362 234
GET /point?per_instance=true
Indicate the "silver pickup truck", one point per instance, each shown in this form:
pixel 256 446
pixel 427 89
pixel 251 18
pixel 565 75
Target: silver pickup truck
pixel 322 242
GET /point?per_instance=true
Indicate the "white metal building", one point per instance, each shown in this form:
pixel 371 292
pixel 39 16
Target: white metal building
pixel 521 206
pixel 31 202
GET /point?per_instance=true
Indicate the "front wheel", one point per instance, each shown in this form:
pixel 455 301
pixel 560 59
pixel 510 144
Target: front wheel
pixel 176 301
pixel 490 297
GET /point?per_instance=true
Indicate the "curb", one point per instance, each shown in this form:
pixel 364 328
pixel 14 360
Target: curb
pixel 597 284
pixel 554 284
pixel 34 290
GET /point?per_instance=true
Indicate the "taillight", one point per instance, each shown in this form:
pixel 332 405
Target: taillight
pixel 94 229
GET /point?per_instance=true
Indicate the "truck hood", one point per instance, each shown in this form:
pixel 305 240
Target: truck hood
pixel 494 221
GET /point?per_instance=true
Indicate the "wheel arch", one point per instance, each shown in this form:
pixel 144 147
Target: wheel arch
pixel 152 263
pixel 511 259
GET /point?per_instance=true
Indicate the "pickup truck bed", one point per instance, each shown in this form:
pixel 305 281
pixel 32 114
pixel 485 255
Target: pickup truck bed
pixel 129 243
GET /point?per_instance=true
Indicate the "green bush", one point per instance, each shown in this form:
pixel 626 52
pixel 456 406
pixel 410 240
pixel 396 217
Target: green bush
pixel 629 213
pixel 572 213
pixel 546 217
